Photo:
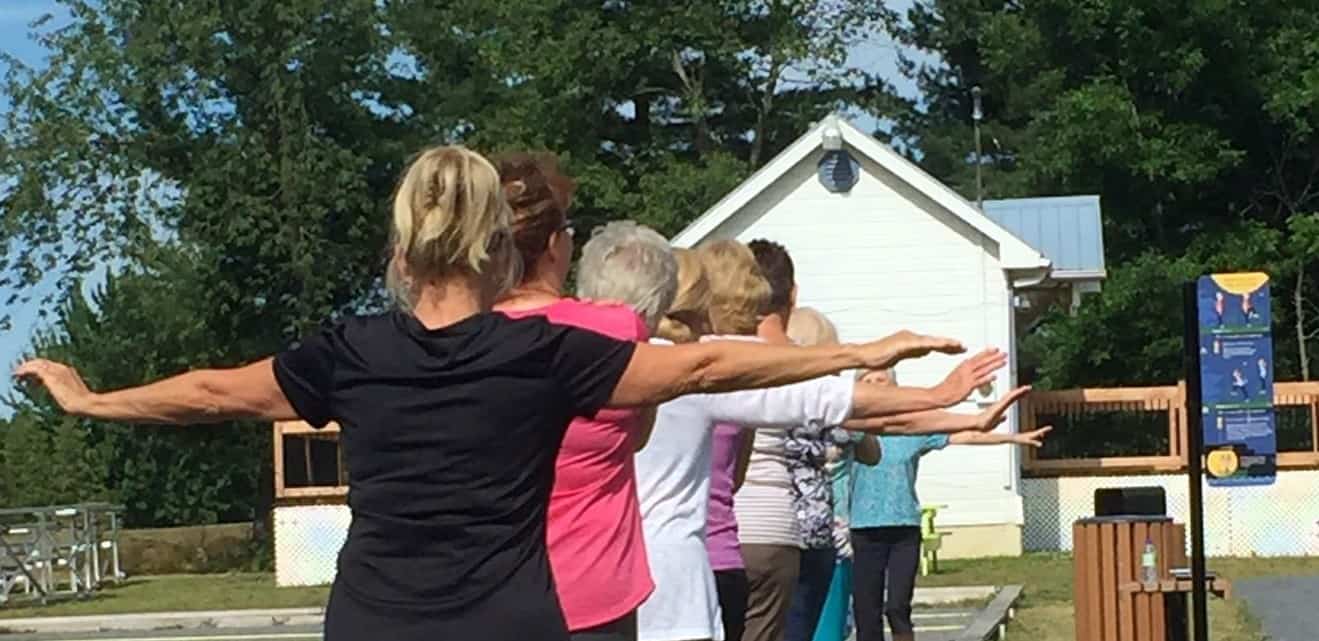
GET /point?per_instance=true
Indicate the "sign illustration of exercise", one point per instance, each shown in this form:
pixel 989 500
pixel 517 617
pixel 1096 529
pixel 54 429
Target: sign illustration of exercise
pixel 1236 356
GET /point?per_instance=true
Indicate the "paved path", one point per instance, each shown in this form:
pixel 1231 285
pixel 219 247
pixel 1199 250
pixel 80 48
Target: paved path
pixel 270 633
pixel 938 617
pixel 940 625
pixel 931 625
pixel 1286 606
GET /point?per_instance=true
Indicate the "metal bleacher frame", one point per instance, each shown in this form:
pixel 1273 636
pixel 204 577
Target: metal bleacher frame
pixel 58 552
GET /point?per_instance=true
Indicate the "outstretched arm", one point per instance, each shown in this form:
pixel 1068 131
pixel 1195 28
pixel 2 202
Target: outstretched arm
pixel 831 400
pixel 201 396
pixel 939 421
pixel 1033 438
pixel 926 422
pixel 658 373
pixel 871 400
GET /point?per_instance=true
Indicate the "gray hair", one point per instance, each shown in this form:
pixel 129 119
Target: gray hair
pixel 632 264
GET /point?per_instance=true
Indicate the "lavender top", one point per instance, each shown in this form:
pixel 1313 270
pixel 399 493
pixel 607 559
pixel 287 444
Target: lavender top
pixel 720 523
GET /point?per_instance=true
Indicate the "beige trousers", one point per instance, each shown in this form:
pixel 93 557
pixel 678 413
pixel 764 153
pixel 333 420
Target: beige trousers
pixel 771 577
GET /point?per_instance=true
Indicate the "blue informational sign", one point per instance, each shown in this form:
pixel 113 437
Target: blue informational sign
pixel 1236 379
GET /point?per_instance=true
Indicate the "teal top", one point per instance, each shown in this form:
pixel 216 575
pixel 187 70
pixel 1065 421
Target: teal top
pixel 839 467
pixel 840 475
pixel 885 495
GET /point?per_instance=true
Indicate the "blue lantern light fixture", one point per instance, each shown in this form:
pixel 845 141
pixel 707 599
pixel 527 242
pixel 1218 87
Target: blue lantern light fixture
pixel 838 171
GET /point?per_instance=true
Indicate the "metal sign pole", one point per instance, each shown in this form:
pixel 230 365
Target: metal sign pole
pixel 1195 463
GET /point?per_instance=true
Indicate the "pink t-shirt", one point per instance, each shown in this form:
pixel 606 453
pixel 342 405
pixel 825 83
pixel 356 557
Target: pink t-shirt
pixel 597 549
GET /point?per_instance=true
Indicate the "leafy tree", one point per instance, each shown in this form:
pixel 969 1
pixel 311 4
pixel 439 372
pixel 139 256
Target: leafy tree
pixel 1177 113
pixel 1132 333
pixel 50 463
pixel 234 160
pixel 23 443
pixel 1304 300
pixel 666 108
pixel 265 137
pixel 251 132
pixel 1195 121
pixel 152 319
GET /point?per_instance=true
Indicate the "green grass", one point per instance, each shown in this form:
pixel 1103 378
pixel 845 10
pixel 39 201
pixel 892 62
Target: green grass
pixel 1045 610
pixel 172 593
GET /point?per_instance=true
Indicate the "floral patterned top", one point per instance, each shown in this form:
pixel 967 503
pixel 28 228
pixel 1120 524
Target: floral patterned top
pixel 809 448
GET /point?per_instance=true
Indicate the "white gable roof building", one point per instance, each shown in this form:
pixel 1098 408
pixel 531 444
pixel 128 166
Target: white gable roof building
pixel 879 245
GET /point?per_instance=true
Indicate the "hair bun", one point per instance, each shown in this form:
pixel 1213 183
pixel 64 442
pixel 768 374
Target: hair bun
pixel 538 196
pixel 514 189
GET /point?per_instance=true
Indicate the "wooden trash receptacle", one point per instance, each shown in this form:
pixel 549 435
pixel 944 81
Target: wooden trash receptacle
pixel 1106 554
pixel 1158 611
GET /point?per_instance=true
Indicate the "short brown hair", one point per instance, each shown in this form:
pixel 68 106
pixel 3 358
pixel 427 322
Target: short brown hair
pixel 739 293
pixel 539 196
pixel 776 265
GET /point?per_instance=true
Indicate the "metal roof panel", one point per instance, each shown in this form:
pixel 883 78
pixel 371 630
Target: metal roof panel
pixel 1068 230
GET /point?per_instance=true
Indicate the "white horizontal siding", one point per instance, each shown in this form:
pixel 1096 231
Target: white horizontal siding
pixel 883 258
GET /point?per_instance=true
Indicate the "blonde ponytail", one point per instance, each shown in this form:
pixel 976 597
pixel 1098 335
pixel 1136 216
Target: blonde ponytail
pixel 449 217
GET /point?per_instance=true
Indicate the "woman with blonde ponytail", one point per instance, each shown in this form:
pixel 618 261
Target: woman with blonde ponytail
pixel 451 416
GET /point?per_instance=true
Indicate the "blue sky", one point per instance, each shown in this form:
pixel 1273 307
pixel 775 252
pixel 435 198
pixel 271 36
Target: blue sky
pixel 15 15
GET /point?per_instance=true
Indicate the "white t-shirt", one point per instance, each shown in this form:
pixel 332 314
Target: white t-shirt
pixel 673 485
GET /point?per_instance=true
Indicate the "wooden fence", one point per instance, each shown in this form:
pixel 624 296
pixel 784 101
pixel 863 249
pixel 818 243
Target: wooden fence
pixel 1169 402
pixel 309 462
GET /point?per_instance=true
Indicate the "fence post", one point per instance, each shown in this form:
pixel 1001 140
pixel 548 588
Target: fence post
pixel 1179 426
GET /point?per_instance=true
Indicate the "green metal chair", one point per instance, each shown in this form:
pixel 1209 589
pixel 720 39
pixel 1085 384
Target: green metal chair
pixel 931 540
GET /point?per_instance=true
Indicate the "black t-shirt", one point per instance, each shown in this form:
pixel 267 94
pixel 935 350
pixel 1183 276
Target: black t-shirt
pixel 450 438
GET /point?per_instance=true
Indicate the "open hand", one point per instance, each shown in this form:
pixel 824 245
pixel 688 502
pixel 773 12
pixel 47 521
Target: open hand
pixel 1033 438
pixel 886 352
pixel 973 372
pixel 996 413
pixel 63 382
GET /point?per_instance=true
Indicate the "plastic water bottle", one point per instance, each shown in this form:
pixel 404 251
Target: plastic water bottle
pixel 1149 563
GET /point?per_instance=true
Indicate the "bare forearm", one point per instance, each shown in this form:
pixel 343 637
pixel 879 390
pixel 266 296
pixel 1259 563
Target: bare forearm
pixel 920 422
pixel 980 438
pixel 728 366
pixel 661 373
pixel 181 399
pixel 870 401
pixel 201 396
